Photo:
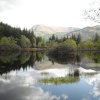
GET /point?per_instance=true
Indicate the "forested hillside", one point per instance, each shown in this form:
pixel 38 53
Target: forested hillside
pixel 12 38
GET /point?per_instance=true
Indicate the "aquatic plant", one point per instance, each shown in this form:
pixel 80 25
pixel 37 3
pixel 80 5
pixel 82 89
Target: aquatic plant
pixel 59 80
pixel 44 73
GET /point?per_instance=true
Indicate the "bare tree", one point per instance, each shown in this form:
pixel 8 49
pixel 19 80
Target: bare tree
pixel 93 12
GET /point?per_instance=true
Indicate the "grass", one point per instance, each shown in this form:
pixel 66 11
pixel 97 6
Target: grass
pixel 59 80
pixel 45 73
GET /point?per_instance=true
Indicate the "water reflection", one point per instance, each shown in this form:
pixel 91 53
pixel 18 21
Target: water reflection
pixel 22 85
pixel 64 59
pixel 21 74
pixel 15 61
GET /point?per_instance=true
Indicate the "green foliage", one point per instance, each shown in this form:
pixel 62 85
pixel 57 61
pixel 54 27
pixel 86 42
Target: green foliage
pixel 25 42
pixel 22 38
pixel 52 44
pixel 34 42
pixel 88 45
pixel 70 42
pixel 39 44
pixel 97 44
pixel 45 73
pixel 9 47
pixel 8 40
pixel 59 80
pixel 40 41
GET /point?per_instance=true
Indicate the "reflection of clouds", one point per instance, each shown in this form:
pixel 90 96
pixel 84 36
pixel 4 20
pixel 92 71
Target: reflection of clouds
pixel 95 81
pixel 16 86
pixel 27 93
pixel 97 88
pixel 82 70
pixel 65 97
pixel 57 72
pixel 90 80
pixel 20 85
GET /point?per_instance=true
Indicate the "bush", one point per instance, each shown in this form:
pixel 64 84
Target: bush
pixel 9 47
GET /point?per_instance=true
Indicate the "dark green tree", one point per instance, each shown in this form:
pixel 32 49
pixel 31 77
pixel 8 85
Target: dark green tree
pixel 78 39
pixel 53 37
pixel 96 37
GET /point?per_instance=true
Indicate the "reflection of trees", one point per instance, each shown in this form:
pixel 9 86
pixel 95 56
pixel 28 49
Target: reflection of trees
pixel 62 59
pixel 65 59
pixel 97 57
pixel 7 57
pixel 87 54
pixel 39 56
pixel 25 57
pixel 15 61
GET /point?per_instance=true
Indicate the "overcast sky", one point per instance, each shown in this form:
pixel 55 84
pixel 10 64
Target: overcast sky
pixel 27 13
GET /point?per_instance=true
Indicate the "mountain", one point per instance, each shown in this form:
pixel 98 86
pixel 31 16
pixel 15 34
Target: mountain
pixel 41 30
pixel 86 33
pixel 47 31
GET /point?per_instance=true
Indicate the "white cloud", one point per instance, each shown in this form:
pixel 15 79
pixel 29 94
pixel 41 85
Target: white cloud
pixel 26 13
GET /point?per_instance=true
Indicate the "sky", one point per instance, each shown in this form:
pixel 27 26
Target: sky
pixel 58 13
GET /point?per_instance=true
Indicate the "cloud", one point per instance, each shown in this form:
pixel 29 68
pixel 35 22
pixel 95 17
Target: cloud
pixel 8 4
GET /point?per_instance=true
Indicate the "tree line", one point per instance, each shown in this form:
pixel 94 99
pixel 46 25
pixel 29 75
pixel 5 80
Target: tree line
pixel 15 38
pixel 75 42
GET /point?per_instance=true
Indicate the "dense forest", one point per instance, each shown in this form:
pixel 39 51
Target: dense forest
pixel 75 42
pixel 12 38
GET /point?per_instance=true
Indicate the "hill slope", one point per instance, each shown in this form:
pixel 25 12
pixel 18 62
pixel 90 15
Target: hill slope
pixel 87 32
pixel 41 30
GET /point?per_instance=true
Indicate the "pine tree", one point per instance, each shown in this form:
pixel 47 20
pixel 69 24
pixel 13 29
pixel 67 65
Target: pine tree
pixel 78 39
pixel 53 37
pixel 96 37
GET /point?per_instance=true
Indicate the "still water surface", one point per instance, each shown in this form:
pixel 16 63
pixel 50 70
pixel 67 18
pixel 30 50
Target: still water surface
pixel 26 76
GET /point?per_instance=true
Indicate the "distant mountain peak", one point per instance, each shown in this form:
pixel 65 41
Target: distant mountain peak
pixel 40 30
